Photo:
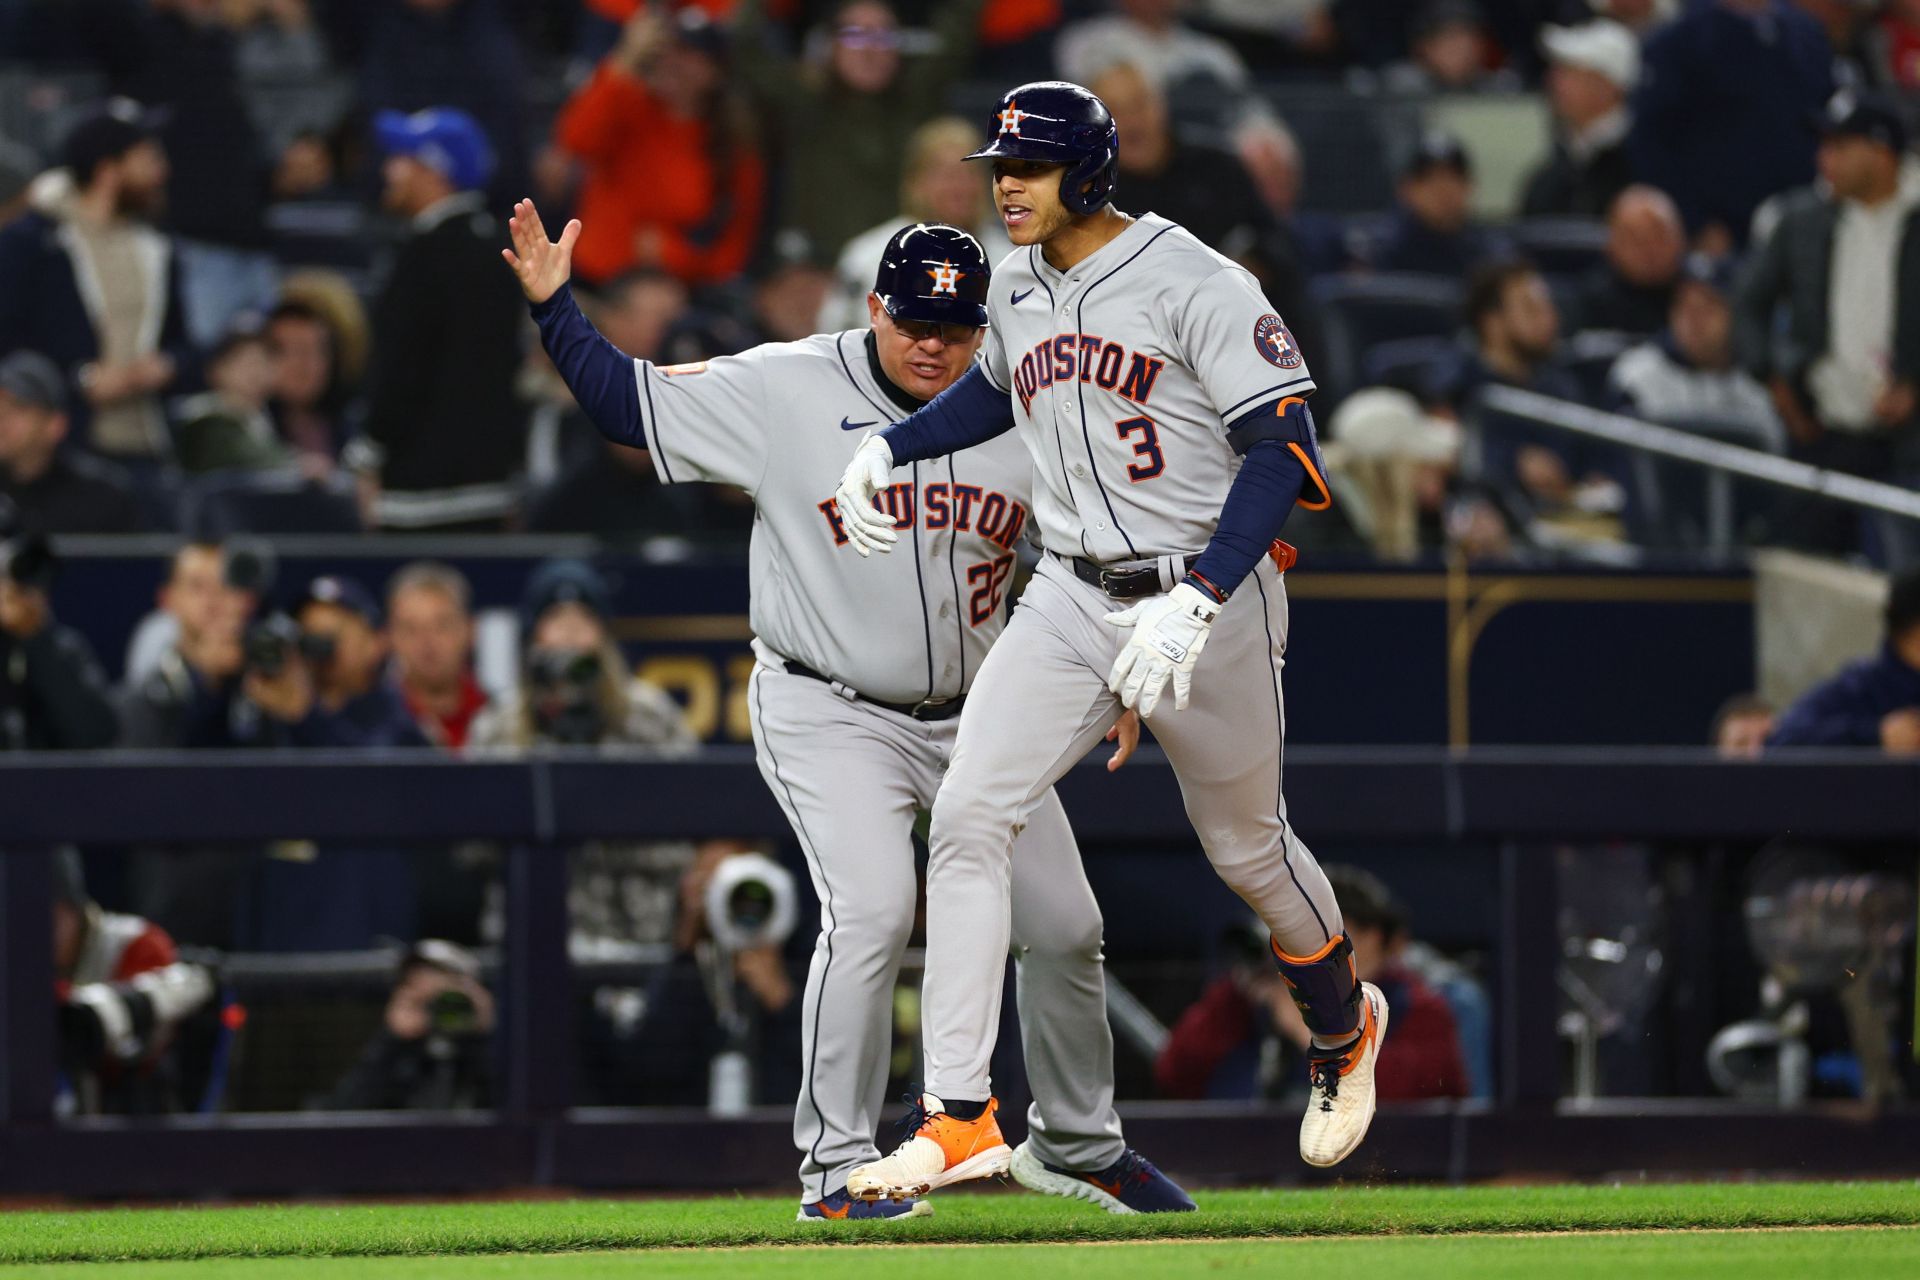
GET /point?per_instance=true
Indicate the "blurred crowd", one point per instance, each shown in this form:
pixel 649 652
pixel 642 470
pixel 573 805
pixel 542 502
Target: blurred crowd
pixel 249 276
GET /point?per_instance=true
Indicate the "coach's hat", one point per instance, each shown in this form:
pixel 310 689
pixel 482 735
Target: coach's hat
pixel 445 139
pixel 1601 46
pixel 342 593
pixel 32 379
pixel 564 582
pixel 1852 113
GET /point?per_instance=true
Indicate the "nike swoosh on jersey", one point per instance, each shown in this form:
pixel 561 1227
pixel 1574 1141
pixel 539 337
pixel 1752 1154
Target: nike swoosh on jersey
pixel 1018 298
pixel 855 426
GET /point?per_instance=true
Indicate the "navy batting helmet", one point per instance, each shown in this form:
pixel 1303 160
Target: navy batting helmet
pixel 934 273
pixel 1055 122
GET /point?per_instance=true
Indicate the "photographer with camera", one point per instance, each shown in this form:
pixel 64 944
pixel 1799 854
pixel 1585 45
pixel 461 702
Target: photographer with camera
pixel 431 1052
pixel 186 700
pixel 52 694
pixel 190 699
pixel 121 990
pixel 317 674
pixel 316 678
pixel 651 1044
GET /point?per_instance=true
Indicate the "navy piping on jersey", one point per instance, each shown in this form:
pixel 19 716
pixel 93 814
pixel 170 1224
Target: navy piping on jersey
pixel 833 919
pixel 1227 416
pixel 919 569
pixel 1080 324
pixel 1066 477
pixel 660 452
pixel 1280 768
pixel 953 573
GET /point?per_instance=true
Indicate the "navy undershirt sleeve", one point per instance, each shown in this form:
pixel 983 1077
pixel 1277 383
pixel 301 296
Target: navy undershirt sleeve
pixel 1257 506
pixel 969 412
pixel 599 374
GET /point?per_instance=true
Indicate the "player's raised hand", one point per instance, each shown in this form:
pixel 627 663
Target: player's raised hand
pixel 1168 633
pixel 541 265
pixel 867 527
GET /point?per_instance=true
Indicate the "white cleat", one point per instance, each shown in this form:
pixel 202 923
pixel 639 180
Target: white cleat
pixel 940 1150
pixel 1340 1103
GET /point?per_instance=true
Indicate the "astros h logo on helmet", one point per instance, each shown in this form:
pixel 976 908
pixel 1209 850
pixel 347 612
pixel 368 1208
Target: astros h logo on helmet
pixel 1010 119
pixel 946 278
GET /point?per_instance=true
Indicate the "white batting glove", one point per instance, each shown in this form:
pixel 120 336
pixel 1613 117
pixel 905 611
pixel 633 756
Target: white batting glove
pixel 1168 634
pixel 868 528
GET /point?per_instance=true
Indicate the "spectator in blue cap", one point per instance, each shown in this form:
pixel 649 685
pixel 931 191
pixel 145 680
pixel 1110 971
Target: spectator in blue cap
pixel 446 53
pixel 445 140
pixel 449 431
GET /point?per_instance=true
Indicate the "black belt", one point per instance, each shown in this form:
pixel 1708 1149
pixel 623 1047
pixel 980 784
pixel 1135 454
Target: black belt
pixel 927 709
pixel 1121 584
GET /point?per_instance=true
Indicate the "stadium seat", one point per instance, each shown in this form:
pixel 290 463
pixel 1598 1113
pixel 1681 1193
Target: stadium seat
pixel 1407 364
pixel 1590 358
pixel 1346 145
pixel 222 503
pixel 1561 246
pixel 1362 312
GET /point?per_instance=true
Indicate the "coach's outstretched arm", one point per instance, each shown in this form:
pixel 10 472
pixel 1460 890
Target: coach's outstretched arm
pixel 971 411
pixel 599 374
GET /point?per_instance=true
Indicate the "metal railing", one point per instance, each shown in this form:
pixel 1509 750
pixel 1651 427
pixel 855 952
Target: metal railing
pixel 1723 462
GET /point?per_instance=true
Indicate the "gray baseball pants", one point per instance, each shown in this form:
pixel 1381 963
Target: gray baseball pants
pixel 1038 705
pixel 851 777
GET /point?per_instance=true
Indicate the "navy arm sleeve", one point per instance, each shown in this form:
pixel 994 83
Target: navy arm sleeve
pixel 971 411
pixel 599 374
pixel 1282 469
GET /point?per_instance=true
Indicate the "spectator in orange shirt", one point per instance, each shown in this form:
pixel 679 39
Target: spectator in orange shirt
pixel 673 179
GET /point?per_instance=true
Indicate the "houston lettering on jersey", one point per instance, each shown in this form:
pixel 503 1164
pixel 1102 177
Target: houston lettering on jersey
pixel 964 508
pixel 1086 358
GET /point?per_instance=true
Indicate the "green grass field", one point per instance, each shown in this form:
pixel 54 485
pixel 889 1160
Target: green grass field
pixel 1749 1231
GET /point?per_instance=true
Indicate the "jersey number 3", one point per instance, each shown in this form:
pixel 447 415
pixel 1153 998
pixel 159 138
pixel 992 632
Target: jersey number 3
pixel 1146 447
pixel 989 582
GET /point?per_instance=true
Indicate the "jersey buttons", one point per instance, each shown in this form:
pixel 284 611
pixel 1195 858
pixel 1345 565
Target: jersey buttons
pixel 945 609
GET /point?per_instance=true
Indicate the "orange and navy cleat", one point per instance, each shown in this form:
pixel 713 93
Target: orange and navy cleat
pixel 938 1150
pixel 1129 1185
pixel 1340 1101
pixel 841 1207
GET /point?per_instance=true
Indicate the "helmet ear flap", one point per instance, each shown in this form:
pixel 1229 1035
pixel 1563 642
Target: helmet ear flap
pixel 1089 184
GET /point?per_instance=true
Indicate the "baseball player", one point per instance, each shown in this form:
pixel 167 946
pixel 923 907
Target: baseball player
pixel 1162 402
pixel 861 677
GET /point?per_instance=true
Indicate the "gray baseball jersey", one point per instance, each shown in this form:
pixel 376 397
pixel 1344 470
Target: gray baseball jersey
pixel 781 421
pixel 1123 371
